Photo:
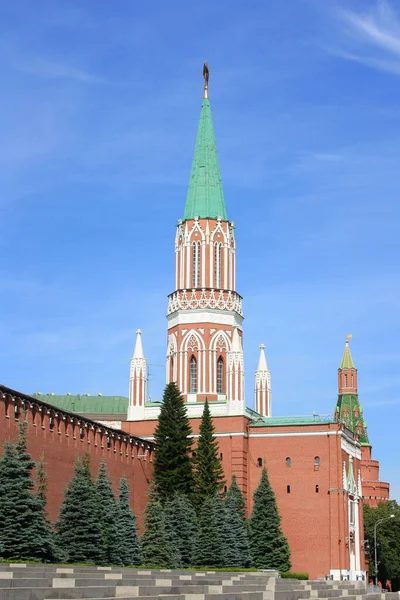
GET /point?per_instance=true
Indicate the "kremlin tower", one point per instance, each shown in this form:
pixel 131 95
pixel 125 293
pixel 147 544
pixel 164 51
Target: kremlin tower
pixel 205 317
pixel 349 411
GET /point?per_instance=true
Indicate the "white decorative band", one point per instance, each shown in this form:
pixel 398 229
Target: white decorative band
pixel 205 298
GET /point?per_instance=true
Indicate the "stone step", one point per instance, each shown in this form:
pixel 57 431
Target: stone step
pixel 178 586
pixel 291 594
pixel 330 593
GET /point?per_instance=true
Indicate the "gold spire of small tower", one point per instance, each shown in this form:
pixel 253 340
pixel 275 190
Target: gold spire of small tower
pixel 206 74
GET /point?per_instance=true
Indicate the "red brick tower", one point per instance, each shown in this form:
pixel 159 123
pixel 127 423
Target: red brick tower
pixel 349 411
pixel 204 352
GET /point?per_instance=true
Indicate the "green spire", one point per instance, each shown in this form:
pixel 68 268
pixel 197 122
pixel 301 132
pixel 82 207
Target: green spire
pixel 348 408
pixel 347 361
pixel 205 197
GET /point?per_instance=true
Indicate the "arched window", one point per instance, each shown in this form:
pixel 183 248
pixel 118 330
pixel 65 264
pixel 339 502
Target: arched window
pixel 288 489
pixel 220 375
pixel 288 461
pixel 352 380
pixel 217 265
pixel 196 264
pixel 193 375
pixel 317 461
pixel 171 364
pixel 259 462
pixel 345 380
pixel 317 489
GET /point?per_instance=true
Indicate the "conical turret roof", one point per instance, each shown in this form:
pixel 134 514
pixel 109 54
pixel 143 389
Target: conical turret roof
pixel 138 352
pixel 262 361
pixel 347 360
pixel 205 198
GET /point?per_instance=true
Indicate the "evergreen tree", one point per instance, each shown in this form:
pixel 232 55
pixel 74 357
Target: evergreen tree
pixel 155 543
pixel 238 551
pixel 24 530
pixel 79 527
pixel 208 550
pixel 209 474
pixel 127 538
pixel 180 520
pixel 235 496
pixel 41 478
pixel 108 516
pixel 172 463
pixel 269 548
pixel 225 534
pixel 172 537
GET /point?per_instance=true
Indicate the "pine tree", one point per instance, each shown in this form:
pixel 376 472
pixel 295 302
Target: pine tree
pixel 127 538
pixel 155 544
pixel 235 495
pixel 41 481
pixel 238 551
pixel 172 463
pixel 269 547
pixel 208 550
pixel 108 516
pixel 209 474
pixel 24 530
pixel 41 478
pixel 79 526
pixel 225 534
pixel 180 520
pixel 172 537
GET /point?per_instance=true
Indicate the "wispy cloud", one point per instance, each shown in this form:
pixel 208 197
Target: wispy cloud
pixel 373 36
pixel 46 68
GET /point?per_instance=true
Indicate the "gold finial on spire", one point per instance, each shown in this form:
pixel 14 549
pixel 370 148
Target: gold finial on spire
pixel 206 74
pixel 348 337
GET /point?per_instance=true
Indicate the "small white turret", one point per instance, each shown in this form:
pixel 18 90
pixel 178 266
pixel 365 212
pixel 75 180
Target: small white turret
pixel 262 390
pixel 137 382
pixel 236 403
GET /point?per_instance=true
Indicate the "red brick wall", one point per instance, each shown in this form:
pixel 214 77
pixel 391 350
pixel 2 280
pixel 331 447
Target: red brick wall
pixel 60 451
pixel 374 491
pixel 316 524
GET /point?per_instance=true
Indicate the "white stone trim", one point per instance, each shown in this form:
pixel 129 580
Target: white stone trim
pixel 293 434
pixel 351 447
pixel 215 299
pixel 211 316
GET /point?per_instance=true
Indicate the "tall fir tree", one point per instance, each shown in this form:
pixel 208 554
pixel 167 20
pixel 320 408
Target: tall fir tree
pixel 127 537
pixel 208 549
pixel 180 520
pixel 238 550
pixel 41 479
pixel 172 462
pixel 25 532
pixel 235 496
pixel 155 542
pixel 108 516
pixel 269 547
pixel 208 473
pixel 80 532
pixel 225 534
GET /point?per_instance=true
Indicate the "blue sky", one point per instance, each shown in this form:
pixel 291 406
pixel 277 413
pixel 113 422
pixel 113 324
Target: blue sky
pixel 98 114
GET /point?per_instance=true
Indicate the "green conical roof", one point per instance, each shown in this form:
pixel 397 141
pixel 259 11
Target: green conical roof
pixel 348 409
pixel 205 196
pixel 347 361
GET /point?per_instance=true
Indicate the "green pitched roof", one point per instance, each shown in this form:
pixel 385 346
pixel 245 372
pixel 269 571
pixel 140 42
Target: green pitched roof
pixel 83 404
pixel 282 421
pixel 347 361
pixel 205 196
